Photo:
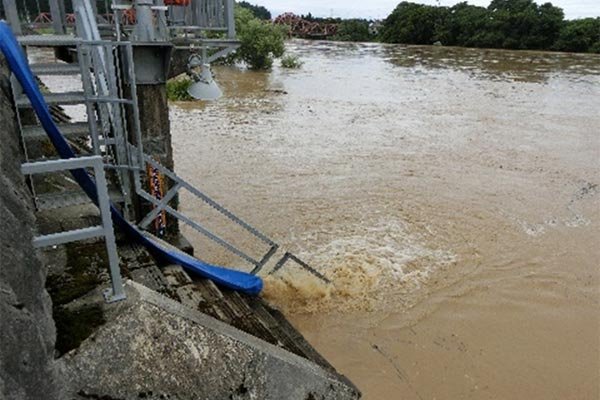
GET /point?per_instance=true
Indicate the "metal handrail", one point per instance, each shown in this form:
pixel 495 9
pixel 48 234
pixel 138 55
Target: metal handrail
pixel 162 205
pixel 209 15
pixel 116 292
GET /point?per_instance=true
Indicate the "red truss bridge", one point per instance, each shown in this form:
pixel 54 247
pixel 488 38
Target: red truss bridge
pixel 301 27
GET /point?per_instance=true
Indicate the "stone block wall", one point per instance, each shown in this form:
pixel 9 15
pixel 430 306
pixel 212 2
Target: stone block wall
pixel 27 333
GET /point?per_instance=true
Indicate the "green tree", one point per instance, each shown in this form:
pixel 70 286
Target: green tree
pixel 414 24
pixel 259 12
pixel 466 25
pixel 522 24
pixel 580 35
pixel 353 30
pixel 510 24
pixel 260 42
pixel 550 23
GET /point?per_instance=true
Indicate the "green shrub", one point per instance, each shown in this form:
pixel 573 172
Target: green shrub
pixel 177 89
pixel 353 30
pixel 291 61
pixel 260 42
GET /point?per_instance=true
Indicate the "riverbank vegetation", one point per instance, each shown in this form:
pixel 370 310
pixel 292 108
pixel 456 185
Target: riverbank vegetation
pixel 259 12
pixel 260 41
pixel 505 24
pixel 354 30
pixel 291 61
pixel 177 88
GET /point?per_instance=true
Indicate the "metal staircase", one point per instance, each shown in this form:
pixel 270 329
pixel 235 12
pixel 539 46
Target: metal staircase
pixel 112 131
pixel 178 183
pixel 96 135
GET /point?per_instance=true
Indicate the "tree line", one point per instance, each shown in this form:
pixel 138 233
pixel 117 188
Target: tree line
pixel 259 12
pixel 505 24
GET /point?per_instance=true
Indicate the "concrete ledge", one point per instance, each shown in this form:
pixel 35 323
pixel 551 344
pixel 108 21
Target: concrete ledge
pixel 155 348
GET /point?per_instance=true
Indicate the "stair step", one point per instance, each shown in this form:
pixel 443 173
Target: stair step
pixel 59 115
pixel 205 296
pixel 70 130
pixel 176 276
pixel 250 322
pixel 55 69
pixel 191 297
pixel 249 314
pixel 64 98
pixel 287 341
pixel 48 40
pixel 308 351
pixel 53 201
pixel 134 256
pixel 209 291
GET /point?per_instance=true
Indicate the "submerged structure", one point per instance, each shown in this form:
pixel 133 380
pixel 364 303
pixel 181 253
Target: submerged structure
pixel 171 325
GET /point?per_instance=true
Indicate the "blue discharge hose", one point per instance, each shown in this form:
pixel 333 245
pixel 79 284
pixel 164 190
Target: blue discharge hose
pixel 231 279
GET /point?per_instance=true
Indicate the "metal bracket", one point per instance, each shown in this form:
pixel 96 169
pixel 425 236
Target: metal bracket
pixel 290 256
pixel 111 297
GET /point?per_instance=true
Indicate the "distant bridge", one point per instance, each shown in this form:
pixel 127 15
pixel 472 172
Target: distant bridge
pixel 301 27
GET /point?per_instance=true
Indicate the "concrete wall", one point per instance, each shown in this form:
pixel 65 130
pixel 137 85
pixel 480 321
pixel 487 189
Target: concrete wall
pixel 27 331
pixel 155 348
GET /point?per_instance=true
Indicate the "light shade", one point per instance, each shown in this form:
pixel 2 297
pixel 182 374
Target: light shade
pixel 204 87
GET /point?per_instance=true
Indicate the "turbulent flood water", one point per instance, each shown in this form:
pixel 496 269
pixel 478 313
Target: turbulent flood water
pixel 452 196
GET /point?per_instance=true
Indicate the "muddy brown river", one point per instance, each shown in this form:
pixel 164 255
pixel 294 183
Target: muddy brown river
pixel 452 195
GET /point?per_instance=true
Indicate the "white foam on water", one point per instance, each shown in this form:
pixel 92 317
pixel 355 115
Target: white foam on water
pixel 370 267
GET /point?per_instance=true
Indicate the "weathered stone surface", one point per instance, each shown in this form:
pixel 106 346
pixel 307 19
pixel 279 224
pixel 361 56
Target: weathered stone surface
pixel 26 328
pixel 155 348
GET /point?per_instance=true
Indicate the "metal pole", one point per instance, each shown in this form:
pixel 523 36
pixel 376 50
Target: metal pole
pixel 137 127
pixel 57 17
pixel 229 9
pixel 116 292
pixel 12 15
pixel 94 5
pixel 144 27
pixel 88 90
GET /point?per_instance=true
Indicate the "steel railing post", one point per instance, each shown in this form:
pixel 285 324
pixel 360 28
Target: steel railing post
pixel 116 292
pixel 12 15
pixel 229 10
pixel 58 17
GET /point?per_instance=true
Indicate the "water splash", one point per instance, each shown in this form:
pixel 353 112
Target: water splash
pixel 372 268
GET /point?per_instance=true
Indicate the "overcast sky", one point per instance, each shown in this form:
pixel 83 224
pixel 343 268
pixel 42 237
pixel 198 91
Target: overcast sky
pixel 381 8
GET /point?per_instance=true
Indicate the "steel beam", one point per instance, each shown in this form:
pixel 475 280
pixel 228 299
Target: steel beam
pixel 57 10
pixel 12 15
